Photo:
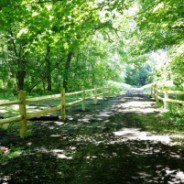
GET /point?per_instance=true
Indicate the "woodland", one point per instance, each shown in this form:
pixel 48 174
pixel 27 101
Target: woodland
pixel 50 45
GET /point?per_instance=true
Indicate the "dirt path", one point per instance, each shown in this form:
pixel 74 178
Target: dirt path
pixel 110 143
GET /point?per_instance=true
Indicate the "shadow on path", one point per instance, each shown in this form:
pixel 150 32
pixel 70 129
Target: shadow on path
pixel 107 144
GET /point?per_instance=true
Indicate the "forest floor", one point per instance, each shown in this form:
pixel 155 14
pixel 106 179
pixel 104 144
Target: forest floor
pixel 120 140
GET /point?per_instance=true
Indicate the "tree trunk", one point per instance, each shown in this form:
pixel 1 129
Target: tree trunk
pixel 66 72
pixel 44 89
pixel 20 79
pixel 21 74
pixel 48 69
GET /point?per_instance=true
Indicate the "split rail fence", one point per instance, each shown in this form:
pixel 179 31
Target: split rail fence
pixel 23 102
pixel 165 98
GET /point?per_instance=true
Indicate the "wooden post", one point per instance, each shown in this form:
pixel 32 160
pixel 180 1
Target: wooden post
pixel 154 91
pixel 22 109
pixel 103 92
pixel 96 100
pixel 83 99
pixel 109 90
pixel 166 96
pixel 63 103
pixel 156 96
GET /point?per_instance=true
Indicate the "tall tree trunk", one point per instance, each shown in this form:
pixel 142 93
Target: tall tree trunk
pixel 66 72
pixel 20 71
pixel 48 69
pixel 43 84
pixel 21 74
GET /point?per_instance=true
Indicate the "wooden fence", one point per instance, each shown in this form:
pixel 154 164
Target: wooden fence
pixel 23 102
pixel 165 96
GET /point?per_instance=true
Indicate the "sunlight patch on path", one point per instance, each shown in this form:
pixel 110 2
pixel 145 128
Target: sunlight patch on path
pixel 176 175
pixel 61 154
pixel 137 134
pixel 136 105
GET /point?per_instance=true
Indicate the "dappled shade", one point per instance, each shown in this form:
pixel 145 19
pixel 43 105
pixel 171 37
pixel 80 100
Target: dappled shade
pixel 103 145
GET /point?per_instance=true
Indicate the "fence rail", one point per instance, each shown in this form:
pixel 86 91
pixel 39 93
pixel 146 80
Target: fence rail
pixel 23 102
pixel 165 99
pixel 9 103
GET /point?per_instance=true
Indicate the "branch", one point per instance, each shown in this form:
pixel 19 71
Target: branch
pixel 32 87
pixel 150 7
pixel 110 40
pixel 13 43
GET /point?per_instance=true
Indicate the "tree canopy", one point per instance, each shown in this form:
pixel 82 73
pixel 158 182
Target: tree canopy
pixel 47 44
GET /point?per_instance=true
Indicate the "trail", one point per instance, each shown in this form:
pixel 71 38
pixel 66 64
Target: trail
pixel 109 143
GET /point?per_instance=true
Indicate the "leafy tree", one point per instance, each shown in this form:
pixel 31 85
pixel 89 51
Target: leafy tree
pixel 160 23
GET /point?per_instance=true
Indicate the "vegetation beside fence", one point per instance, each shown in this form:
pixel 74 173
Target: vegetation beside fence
pixel 167 96
pixel 23 102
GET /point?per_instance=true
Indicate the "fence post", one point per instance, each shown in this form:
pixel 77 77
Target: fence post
pixel 96 100
pixel 166 96
pixel 63 103
pixel 22 109
pixel 83 99
pixel 109 90
pixel 156 95
pixel 153 91
pixel 103 92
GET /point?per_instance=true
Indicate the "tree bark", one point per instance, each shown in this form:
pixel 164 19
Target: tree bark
pixel 48 69
pixel 66 72
pixel 21 74
pixel 20 61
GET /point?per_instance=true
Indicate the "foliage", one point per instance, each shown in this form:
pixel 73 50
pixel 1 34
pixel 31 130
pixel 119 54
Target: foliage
pixel 38 37
pixel 138 75
pixel 177 65
pixel 160 23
